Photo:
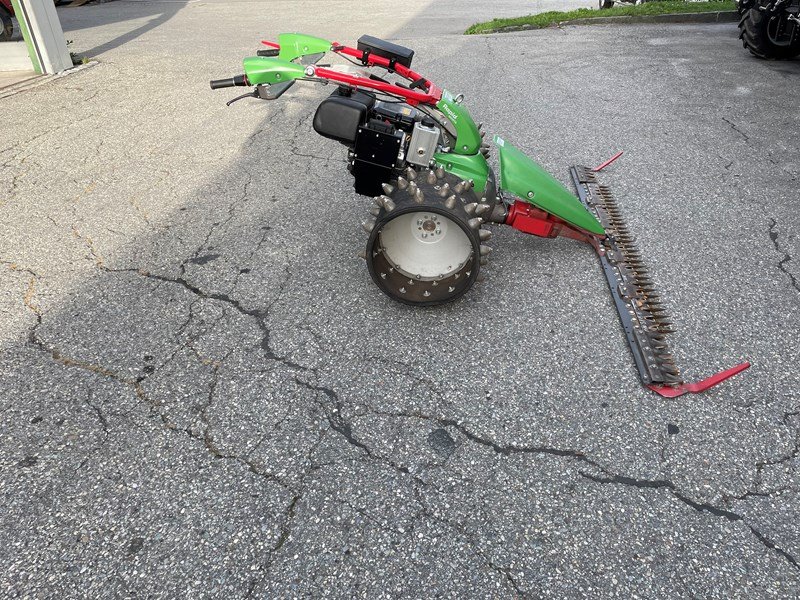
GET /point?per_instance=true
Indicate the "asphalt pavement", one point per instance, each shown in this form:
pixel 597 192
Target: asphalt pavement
pixel 202 394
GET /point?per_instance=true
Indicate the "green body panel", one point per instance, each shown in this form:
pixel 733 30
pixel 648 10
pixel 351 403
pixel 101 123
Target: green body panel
pixel 26 35
pixel 468 140
pixel 524 178
pixel 472 167
pixel 295 45
pixel 263 69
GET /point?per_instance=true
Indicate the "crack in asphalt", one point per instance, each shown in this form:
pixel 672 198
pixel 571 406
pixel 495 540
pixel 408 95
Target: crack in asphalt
pixel 459 529
pixel 773 235
pixel 736 129
pixel 610 476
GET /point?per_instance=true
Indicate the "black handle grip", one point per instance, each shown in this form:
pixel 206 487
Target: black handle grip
pixel 269 52
pixel 238 80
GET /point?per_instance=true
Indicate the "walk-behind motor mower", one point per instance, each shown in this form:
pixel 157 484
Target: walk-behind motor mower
pixel 414 149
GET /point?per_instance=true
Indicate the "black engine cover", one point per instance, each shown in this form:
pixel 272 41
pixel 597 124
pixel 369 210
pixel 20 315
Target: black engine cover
pixel 339 116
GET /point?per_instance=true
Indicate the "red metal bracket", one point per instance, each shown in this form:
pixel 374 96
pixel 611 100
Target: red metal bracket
pixel 668 391
pixel 526 218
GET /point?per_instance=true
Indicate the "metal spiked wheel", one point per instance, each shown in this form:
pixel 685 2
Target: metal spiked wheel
pixel 425 243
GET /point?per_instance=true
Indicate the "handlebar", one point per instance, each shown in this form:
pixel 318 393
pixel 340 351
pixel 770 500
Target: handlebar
pixel 238 80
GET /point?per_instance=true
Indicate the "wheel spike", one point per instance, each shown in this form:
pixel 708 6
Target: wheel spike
pixel 419 197
pixel 412 188
pixel 387 189
pixel 369 224
pixel 389 204
pixel 411 174
pixel 450 203
pixel 475 223
pixel 460 187
pixel 439 173
pixel 481 208
pixel 431 177
pixel 402 183
pixel 363 254
pixel 444 190
pixel 485 235
pixel 485 250
pixel 484 260
pixel 470 208
pixel 375 210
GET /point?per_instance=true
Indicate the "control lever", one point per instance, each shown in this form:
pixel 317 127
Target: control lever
pixel 253 94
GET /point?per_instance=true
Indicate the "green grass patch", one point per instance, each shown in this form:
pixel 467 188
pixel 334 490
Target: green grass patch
pixel 553 17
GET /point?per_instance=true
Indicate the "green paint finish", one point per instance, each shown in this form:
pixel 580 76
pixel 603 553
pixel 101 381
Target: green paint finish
pixel 26 35
pixel 295 45
pixel 472 167
pixel 468 140
pixel 526 179
pixel 264 69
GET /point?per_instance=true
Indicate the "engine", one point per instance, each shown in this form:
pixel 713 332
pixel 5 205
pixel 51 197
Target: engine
pixel 383 137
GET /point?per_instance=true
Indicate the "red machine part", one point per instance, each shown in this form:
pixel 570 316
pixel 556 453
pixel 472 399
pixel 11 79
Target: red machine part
pixel 526 218
pixel 669 391
pixel 431 94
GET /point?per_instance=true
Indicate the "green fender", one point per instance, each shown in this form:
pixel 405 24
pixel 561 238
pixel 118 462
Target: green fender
pixel 295 45
pixel 468 140
pixel 263 69
pixel 527 180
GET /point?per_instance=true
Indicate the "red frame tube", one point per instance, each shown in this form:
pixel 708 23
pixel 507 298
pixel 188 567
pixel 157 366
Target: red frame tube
pixel 431 96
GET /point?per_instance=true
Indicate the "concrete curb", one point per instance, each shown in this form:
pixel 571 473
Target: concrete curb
pixel 725 16
pixel 38 80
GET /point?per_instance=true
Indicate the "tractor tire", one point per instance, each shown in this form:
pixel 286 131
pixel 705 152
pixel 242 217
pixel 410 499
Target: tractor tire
pixel 7 30
pixel 769 36
pixel 426 240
